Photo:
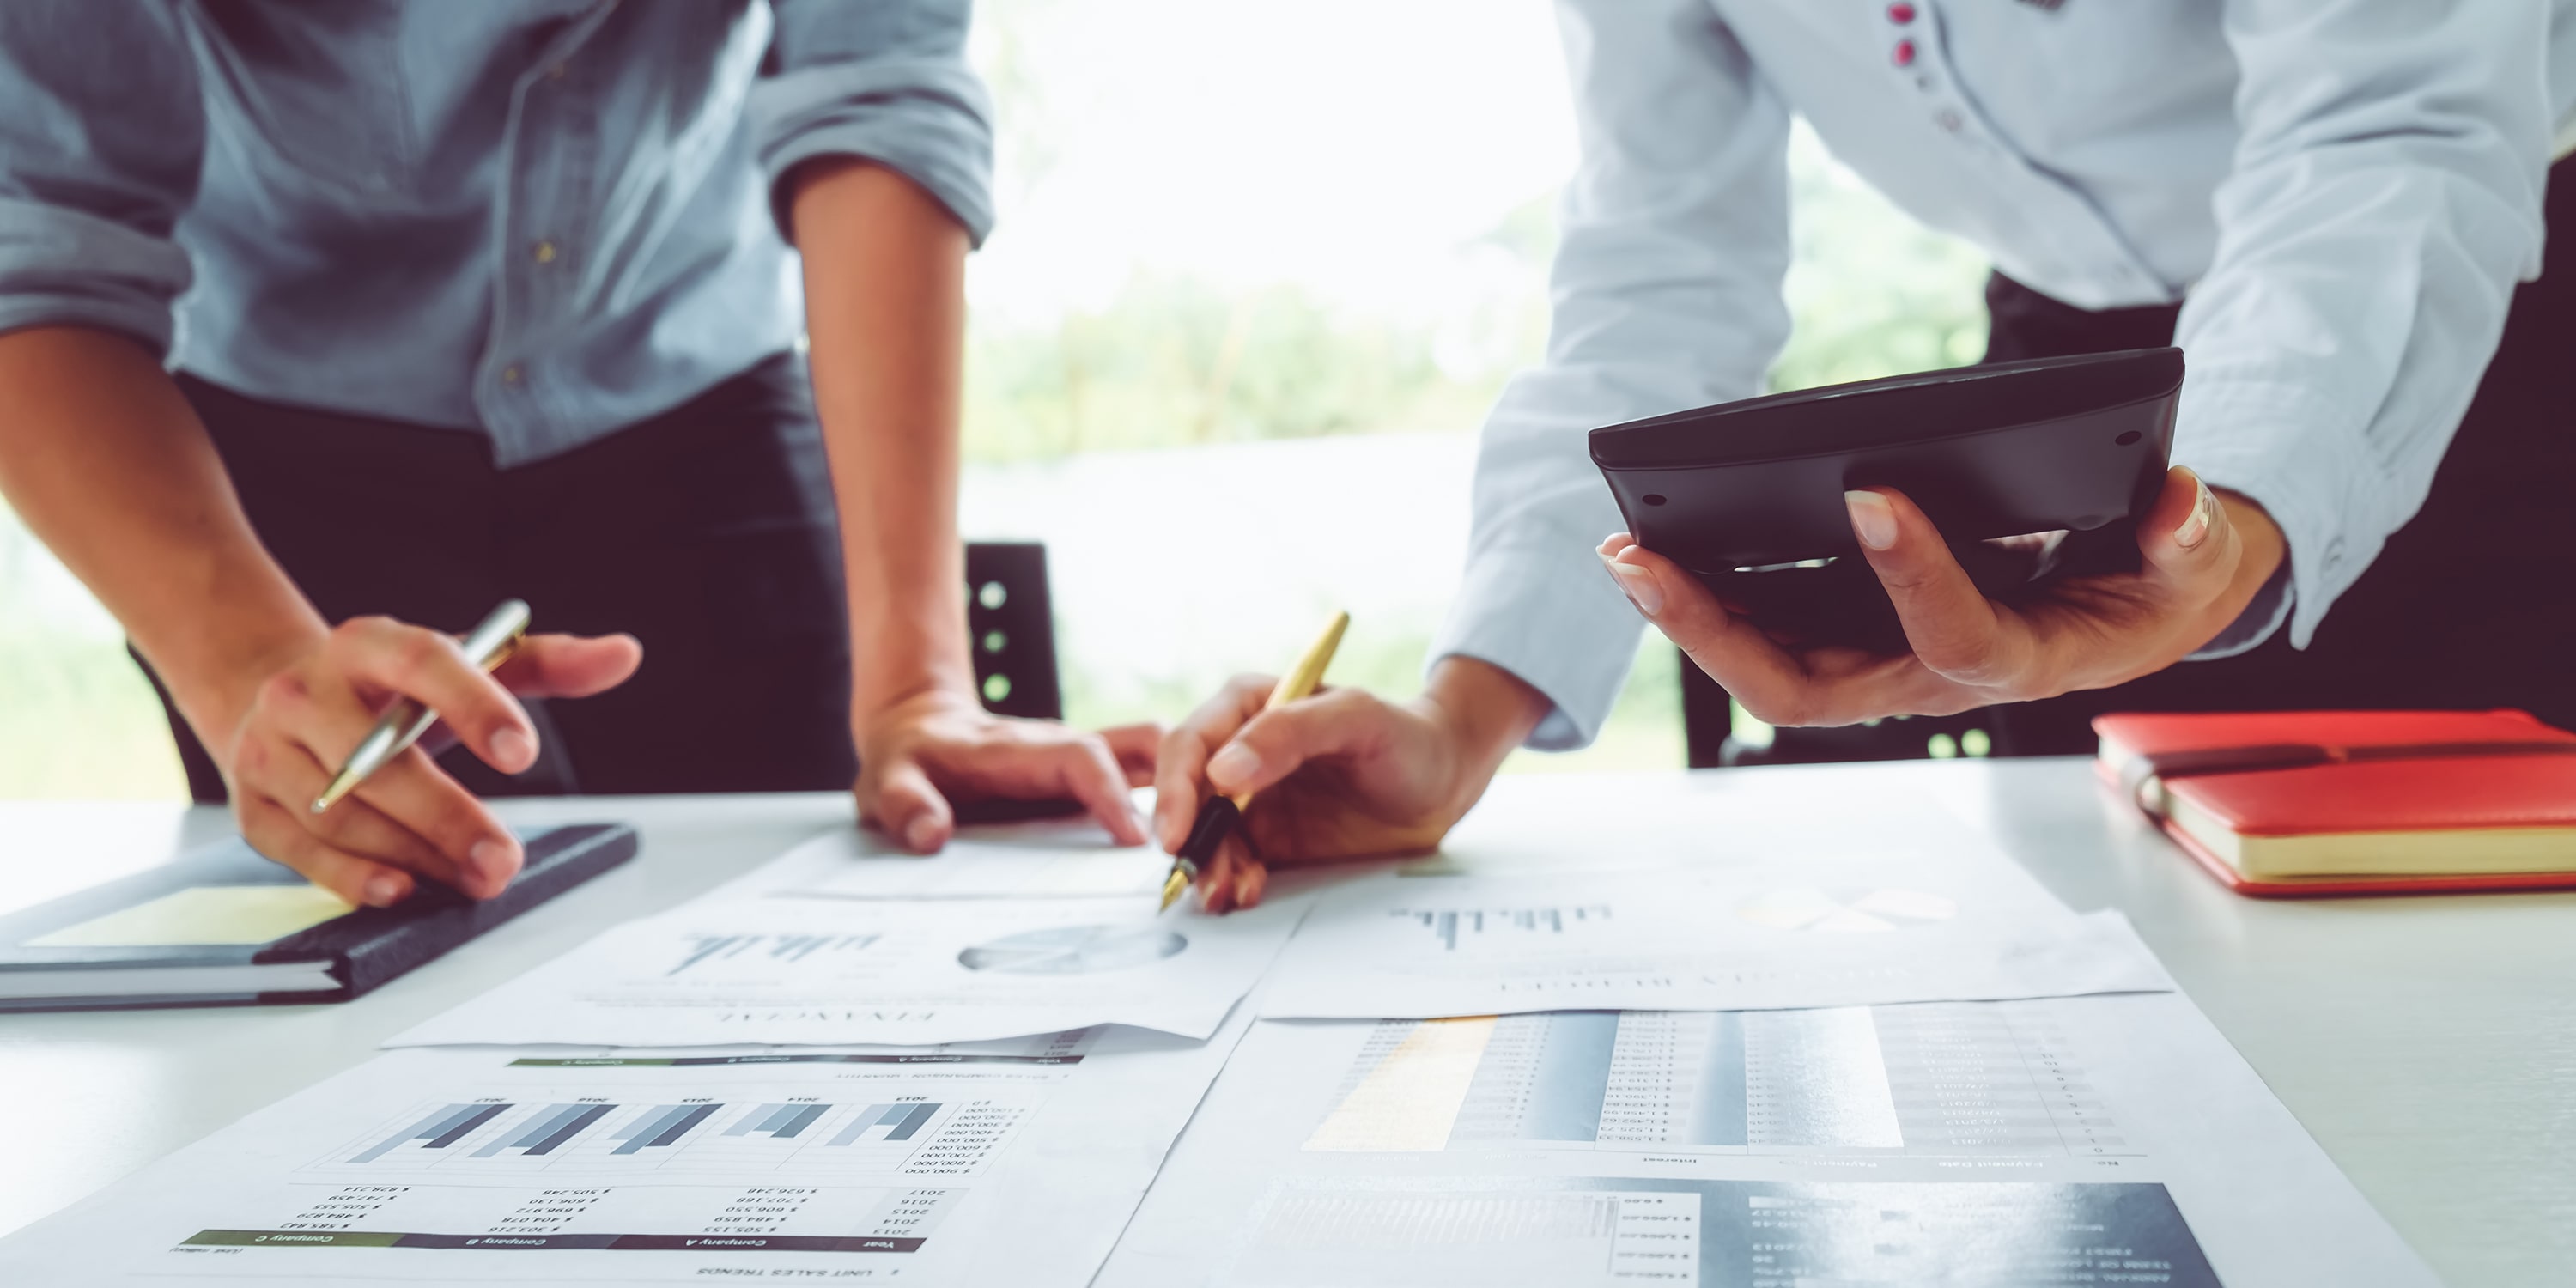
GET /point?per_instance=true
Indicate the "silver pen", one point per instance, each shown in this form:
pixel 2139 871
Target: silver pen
pixel 488 646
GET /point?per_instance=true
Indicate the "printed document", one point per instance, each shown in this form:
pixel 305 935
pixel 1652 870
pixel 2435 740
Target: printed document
pixel 991 1164
pixel 1829 927
pixel 779 970
pixel 2091 1140
pixel 1056 859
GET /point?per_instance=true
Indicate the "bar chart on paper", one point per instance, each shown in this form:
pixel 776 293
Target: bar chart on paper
pixel 1446 924
pixel 876 1134
pixel 806 1152
pixel 706 953
pixel 1954 1078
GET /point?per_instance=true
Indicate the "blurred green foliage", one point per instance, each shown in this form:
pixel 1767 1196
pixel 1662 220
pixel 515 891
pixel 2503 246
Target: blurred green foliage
pixel 1177 362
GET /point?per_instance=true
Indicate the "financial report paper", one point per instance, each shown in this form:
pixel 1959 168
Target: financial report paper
pixel 2061 1141
pixel 1009 1163
pixel 1050 859
pixel 774 970
pixel 1829 927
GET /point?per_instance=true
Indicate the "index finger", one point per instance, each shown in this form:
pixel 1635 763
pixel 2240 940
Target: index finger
pixel 1950 625
pixel 428 667
pixel 1180 770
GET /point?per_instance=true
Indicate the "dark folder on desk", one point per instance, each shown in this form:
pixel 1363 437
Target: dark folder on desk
pixel 223 926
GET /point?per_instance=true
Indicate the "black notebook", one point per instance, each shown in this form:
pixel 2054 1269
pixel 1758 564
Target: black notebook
pixel 143 940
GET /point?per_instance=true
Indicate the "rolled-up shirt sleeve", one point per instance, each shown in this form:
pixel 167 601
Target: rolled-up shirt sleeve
pixel 102 135
pixel 884 81
pixel 2384 198
pixel 1667 295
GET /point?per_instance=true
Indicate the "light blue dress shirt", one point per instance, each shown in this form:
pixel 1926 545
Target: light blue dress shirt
pixel 540 220
pixel 2340 193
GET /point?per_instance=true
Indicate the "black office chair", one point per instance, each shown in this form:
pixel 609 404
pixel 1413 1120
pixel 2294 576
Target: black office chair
pixel 1708 731
pixel 1012 618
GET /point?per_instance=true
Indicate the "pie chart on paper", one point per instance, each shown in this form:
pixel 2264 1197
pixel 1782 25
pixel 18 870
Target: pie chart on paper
pixel 1073 950
pixel 1805 908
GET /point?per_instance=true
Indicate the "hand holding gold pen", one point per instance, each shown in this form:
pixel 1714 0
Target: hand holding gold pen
pixel 1218 816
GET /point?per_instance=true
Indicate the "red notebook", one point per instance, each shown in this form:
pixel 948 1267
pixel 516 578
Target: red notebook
pixel 2290 803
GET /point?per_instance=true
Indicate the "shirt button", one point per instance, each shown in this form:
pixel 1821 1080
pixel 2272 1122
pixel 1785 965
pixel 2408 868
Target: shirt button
pixel 543 252
pixel 510 375
pixel 1948 119
pixel 1900 13
pixel 1905 53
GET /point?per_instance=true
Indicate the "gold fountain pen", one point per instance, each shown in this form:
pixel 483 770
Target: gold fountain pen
pixel 1217 818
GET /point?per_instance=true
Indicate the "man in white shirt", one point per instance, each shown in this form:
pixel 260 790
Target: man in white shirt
pixel 2326 203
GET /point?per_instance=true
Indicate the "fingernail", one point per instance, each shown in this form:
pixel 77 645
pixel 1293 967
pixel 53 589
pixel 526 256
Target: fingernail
pixel 488 857
pixel 2195 525
pixel 921 833
pixel 516 750
pixel 1640 587
pixel 383 890
pixel 1235 763
pixel 1873 519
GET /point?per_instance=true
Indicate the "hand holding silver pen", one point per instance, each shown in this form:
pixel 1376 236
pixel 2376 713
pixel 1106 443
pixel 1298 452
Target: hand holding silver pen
pixel 319 761
pixel 487 647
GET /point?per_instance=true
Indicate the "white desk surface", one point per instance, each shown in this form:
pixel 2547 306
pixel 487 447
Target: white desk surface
pixel 2429 1044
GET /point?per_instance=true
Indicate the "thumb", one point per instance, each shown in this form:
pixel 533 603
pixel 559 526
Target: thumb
pixel 2186 537
pixel 1279 741
pixel 901 800
pixel 570 666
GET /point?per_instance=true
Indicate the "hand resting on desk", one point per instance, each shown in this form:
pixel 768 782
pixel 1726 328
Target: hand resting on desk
pixel 932 751
pixel 2206 553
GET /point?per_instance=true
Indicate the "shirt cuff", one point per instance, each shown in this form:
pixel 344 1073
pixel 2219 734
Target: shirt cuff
pixel 927 119
pixel 2251 438
pixel 62 267
pixel 2263 615
pixel 1554 619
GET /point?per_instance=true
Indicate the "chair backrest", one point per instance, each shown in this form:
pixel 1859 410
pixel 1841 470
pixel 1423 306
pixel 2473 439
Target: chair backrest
pixel 1012 620
pixel 1709 734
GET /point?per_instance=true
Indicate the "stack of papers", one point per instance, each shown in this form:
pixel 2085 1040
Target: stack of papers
pixel 1760 1054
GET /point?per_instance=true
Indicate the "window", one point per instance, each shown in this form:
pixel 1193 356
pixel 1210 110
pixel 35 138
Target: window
pixel 1260 270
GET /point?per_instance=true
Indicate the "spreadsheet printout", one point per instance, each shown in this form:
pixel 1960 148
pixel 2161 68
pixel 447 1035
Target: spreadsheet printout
pixel 2109 1139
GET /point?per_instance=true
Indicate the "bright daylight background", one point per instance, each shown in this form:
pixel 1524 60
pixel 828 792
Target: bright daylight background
pixel 1261 268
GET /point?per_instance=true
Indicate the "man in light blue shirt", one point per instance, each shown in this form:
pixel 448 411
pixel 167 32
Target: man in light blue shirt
pixel 2327 204
pixel 324 327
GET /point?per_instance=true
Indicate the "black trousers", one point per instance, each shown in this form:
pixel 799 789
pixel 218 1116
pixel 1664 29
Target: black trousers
pixel 2471 605
pixel 707 533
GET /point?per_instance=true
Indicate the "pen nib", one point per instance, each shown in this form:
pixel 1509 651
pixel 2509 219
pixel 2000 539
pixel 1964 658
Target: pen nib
pixel 1173 887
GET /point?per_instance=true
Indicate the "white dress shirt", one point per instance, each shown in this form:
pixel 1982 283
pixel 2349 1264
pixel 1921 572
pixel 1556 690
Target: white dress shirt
pixel 2343 193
